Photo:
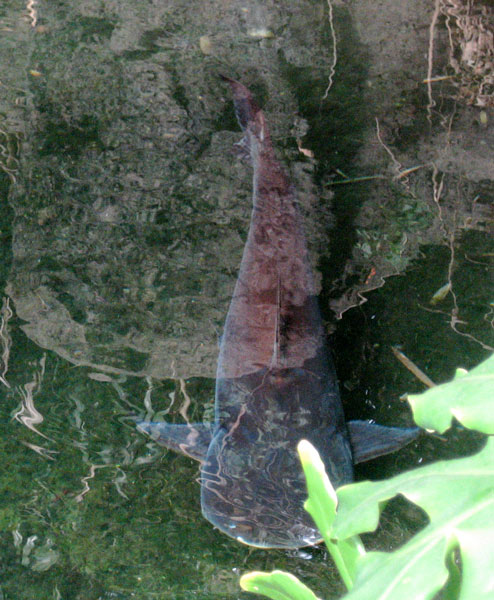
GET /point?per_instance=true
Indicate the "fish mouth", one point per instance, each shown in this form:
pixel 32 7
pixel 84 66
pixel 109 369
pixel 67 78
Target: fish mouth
pixel 307 538
pixel 262 531
pixel 258 511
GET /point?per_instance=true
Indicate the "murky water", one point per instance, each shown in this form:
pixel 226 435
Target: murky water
pixel 123 217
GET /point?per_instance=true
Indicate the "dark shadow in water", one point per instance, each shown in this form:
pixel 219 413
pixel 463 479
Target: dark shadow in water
pixel 337 123
pixel 6 218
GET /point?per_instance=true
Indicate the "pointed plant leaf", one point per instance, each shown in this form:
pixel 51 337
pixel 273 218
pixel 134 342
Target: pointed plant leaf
pixel 418 569
pixel 321 505
pixel 276 585
pixel 451 591
pixel 406 574
pixel 439 488
pixel 477 560
pixel 458 496
pixel 322 500
pixel 468 398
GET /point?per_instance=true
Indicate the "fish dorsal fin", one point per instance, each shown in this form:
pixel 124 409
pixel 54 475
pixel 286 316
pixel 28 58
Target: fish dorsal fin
pixel 276 356
pixel 260 129
pixel 369 440
pixel 192 440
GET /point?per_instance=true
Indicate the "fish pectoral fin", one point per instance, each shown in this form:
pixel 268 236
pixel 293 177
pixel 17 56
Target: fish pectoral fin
pixel 192 440
pixel 369 440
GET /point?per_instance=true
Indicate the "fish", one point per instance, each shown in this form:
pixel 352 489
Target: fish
pixel 275 383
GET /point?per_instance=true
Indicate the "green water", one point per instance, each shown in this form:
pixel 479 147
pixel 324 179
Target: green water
pixel 123 216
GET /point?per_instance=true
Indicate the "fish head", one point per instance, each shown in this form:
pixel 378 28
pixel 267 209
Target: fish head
pixel 253 490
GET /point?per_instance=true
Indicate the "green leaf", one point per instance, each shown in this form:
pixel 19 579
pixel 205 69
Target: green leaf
pixel 452 589
pixel 458 496
pixel 406 574
pixel 418 570
pixel 321 505
pixel 322 500
pixel 277 585
pixel 469 397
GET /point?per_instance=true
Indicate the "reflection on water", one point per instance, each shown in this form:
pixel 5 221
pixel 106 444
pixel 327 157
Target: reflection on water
pixel 120 244
pixel 5 339
pixel 27 413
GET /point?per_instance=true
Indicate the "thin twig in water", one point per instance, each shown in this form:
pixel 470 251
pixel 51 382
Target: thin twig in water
pixel 32 12
pixel 335 54
pixel 412 367
pixel 430 59
pixel 357 179
pixel 454 319
pixel 406 172
pixel 437 78
pixel 396 163
pixel 437 188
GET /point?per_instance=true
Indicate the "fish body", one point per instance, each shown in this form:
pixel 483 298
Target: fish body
pixel 275 382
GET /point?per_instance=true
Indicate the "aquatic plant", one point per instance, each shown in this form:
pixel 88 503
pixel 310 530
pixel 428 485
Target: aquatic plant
pixel 453 554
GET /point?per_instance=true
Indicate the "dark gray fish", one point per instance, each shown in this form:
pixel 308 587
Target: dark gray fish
pixel 275 382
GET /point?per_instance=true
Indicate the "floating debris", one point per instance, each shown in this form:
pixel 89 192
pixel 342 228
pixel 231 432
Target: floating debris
pixel 471 34
pixel 101 377
pixel 412 367
pixel 261 33
pixel 441 293
pixel 206 45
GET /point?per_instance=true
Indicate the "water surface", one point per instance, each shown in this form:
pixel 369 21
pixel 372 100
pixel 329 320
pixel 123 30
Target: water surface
pixel 124 213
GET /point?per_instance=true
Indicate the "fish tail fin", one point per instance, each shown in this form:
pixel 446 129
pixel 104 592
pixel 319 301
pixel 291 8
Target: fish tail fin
pixel 246 107
pixel 249 115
